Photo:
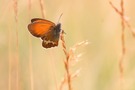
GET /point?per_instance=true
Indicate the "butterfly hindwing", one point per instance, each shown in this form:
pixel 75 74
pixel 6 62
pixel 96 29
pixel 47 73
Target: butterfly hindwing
pixel 52 38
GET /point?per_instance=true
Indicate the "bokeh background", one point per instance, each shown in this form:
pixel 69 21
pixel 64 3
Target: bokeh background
pixel 92 20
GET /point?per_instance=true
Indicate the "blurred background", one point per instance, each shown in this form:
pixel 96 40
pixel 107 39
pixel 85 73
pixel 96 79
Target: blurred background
pixel 26 64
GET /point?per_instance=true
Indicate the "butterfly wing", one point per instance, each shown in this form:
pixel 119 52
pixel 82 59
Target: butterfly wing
pixel 39 27
pixel 41 20
pixel 49 43
pixel 51 39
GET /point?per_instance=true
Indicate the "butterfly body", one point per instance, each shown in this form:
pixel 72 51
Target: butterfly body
pixel 46 30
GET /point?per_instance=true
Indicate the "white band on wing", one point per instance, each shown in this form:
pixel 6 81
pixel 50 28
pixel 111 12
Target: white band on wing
pixel 48 41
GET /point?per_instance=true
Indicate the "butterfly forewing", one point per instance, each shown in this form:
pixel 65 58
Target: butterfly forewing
pixel 42 20
pixel 40 27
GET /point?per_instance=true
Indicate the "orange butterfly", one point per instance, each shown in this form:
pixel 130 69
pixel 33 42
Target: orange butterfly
pixel 46 30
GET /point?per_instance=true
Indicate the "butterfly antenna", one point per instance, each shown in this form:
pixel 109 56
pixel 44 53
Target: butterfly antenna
pixel 60 17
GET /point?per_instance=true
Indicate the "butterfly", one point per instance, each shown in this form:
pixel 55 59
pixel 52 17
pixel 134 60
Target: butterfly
pixel 48 31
